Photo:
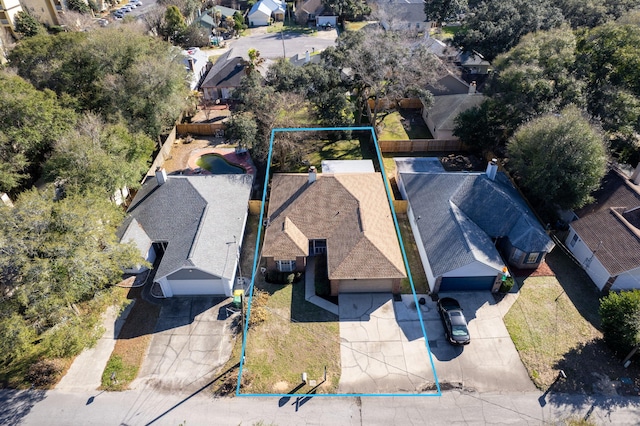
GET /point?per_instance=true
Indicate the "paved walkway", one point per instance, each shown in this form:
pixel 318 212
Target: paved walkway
pixel 85 374
pixel 310 288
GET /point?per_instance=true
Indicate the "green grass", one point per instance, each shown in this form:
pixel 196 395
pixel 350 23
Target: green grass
pixel 287 27
pixel 392 129
pixel 545 325
pixel 446 32
pixel 355 26
pixel 339 150
pixel 124 374
pixel 297 337
pixel 413 257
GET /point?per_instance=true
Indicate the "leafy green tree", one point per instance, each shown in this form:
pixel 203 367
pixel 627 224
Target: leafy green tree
pixel 444 10
pixel 116 72
pixel 27 25
pixel 58 253
pixel 243 129
pixel 384 67
pixel 175 24
pixel 620 315
pixel 481 128
pixel 78 6
pixel 30 122
pixel 16 337
pixel 584 13
pixel 558 159
pixel 495 26
pixel 348 9
pixel 99 158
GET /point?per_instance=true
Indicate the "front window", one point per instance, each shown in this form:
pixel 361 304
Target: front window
pixel 532 257
pixel 286 265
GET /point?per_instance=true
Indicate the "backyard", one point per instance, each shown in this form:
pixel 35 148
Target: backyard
pixel 403 124
pixel 554 325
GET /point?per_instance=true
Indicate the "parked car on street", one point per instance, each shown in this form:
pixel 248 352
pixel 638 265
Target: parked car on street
pixel 455 324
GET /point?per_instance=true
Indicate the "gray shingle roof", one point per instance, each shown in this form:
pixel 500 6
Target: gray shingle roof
pixel 446 108
pixel 198 216
pixel 459 214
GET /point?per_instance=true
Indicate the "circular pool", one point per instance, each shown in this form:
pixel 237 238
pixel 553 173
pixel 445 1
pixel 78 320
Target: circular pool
pixel 217 165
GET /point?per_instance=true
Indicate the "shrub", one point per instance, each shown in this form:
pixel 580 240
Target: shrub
pixel 44 373
pixel 259 312
pixel 620 315
pixel 71 337
pixel 506 285
pixel 277 277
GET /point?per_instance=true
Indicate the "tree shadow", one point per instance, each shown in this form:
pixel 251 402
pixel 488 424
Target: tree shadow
pixel 577 285
pixel 16 404
pixel 592 368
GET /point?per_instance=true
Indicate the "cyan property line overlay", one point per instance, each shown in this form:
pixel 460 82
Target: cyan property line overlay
pixel 256 258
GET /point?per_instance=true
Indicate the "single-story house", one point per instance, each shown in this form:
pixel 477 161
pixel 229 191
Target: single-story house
pixel 195 61
pixel 344 215
pixel 403 15
pixel 261 12
pixel 605 238
pixel 207 18
pixel 441 116
pixel 225 75
pixel 473 63
pixel 192 228
pixel 465 224
pixel 440 49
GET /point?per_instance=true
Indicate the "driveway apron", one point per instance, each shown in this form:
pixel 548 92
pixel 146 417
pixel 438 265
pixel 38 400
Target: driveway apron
pixel 192 340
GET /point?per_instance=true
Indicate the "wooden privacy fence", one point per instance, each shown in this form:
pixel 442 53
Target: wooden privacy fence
pixel 421 145
pixel 400 206
pixel 200 128
pixel 163 154
pixel 408 103
pixel 254 207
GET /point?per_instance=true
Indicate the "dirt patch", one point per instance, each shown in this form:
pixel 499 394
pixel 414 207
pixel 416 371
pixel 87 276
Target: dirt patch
pixel 461 163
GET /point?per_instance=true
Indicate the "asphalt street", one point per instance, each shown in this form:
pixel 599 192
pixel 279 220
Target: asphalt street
pixel 147 407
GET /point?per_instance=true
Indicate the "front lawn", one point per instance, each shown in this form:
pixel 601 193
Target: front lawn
pixel 553 325
pixel 296 337
pixel 290 27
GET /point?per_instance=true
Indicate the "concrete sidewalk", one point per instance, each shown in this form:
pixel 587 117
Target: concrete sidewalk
pixel 85 374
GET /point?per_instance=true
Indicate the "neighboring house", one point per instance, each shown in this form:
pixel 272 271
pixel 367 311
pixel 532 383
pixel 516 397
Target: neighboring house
pixel 449 84
pixel 473 63
pixel 207 18
pixel 440 118
pixel 403 15
pixel 225 75
pixel 462 222
pixel 261 13
pixel 440 49
pixel 306 11
pixel 195 61
pixel 8 10
pixel 345 215
pixel 605 238
pixel 45 11
pixel 195 226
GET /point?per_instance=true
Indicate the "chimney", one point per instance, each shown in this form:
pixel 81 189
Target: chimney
pixel 161 175
pixel 472 88
pixel 492 169
pixel 312 174
pixel 635 177
pixel 307 57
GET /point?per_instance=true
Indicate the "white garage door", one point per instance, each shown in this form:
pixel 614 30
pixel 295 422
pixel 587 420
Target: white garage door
pixel 198 287
pixel 365 286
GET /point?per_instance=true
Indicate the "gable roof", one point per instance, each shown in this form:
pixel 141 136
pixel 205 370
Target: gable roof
pixel 446 108
pixel 315 7
pixel 460 214
pixel 610 226
pixel 226 72
pixel 267 7
pixel 350 211
pixel 404 11
pixel 449 84
pixel 199 217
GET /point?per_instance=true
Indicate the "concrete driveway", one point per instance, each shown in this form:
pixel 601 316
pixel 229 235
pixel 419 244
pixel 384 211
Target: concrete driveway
pixel 383 348
pixel 192 340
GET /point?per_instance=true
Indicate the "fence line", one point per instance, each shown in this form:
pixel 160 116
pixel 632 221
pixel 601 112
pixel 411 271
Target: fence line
pixel 421 145
pixel 200 128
